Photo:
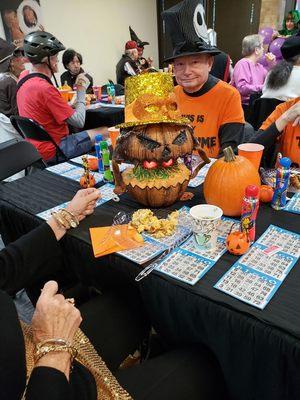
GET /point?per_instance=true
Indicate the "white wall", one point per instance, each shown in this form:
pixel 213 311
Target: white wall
pixel 98 29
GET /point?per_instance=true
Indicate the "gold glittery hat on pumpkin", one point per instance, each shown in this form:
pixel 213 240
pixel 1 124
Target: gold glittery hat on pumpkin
pixel 150 99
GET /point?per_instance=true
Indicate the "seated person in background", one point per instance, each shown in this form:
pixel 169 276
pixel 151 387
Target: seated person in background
pixel 213 106
pixel 127 65
pixel 11 65
pixel 290 24
pixel 283 81
pixel 72 62
pixel 248 74
pixel 39 100
pixel 283 126
pixel 143 63
pixel 113 324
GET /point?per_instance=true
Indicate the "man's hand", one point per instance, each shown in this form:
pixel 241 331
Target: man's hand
pixel 82 81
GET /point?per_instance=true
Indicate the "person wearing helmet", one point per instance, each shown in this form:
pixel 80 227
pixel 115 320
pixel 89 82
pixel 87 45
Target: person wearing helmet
pixel 38 99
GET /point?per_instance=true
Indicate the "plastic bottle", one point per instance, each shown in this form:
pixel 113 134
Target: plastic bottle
pixel 282 183
pixel 98 141
pixel 112 92
pixel 250 207
pixel 107 176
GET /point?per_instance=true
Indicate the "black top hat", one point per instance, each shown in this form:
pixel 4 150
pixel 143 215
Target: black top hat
pixel 291 47
pixel 7 51
pixel 186 25
pixel 134 37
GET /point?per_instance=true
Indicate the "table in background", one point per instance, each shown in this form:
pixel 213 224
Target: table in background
pixel 103 116
pixel 259 350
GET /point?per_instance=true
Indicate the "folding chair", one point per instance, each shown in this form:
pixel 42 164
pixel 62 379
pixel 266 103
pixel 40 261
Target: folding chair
pixel 29 129
pixel 17 156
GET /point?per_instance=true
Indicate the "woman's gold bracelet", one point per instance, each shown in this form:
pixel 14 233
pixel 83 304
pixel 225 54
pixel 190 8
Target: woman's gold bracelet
pixel 46 349
pixel 65 219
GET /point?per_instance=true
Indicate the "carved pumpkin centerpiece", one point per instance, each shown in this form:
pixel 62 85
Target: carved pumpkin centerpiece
pixel 157 141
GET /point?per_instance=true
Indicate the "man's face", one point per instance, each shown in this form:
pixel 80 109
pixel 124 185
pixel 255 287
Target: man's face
pixel 192 72
pixel 29 16
pixel 135 54
pixel 74 66
pixel 54 63
pixel 10 18
pixel 17 64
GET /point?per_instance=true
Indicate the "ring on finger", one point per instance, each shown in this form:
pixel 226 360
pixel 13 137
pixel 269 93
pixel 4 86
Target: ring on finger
pixel 71 301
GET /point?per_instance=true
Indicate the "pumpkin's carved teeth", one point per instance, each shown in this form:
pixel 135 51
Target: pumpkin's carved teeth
pixel 168 163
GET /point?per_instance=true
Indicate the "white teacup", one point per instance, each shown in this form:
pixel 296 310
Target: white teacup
pixel 205 219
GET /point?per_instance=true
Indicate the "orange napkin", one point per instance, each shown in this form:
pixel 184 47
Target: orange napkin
pixel 107 239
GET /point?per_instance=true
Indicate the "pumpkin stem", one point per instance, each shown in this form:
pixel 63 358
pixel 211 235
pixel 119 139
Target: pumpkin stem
pixel 228 154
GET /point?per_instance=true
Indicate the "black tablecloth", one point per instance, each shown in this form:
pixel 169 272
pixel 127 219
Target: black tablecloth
pixel 259 350
pixel 104 116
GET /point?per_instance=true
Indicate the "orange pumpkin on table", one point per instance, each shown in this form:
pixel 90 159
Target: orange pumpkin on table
pixel 226 181
pixel 266 193
pixel 237 243
pixel 93 163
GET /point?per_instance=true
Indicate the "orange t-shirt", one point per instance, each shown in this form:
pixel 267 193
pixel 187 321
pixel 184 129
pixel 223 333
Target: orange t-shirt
pixel 290 138
pixel 209 111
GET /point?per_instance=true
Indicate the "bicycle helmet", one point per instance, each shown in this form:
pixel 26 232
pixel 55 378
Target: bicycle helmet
pixel 39 44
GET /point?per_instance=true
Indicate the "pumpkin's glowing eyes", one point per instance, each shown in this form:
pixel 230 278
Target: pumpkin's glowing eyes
pixel 150 144
pixel 181 138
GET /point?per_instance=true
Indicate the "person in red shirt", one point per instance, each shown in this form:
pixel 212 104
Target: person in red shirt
pixel 38 99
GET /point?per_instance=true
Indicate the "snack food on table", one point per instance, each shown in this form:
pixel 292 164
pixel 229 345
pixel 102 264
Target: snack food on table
pixel 295 181
pixel 90 98
pixel 145 220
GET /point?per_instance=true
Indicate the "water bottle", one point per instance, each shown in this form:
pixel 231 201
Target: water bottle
pixel 98 141
pixel 282 183
pixel 250 207
pixel 112 92
pixel 107 175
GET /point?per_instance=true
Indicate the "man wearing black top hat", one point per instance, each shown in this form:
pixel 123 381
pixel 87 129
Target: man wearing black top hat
pixel 213 106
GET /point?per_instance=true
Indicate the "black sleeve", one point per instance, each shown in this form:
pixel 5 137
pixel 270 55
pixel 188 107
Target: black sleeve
pixel 48 384
pixel 25 259
pixel 266 137
pixel 90 88
pixel 231 134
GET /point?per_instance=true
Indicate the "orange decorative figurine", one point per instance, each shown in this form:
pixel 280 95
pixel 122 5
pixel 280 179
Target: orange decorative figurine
pixel 87 180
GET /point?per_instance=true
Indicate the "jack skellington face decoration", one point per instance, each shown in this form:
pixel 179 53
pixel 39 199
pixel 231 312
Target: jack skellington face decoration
pixel 186 22
pixel 199 22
